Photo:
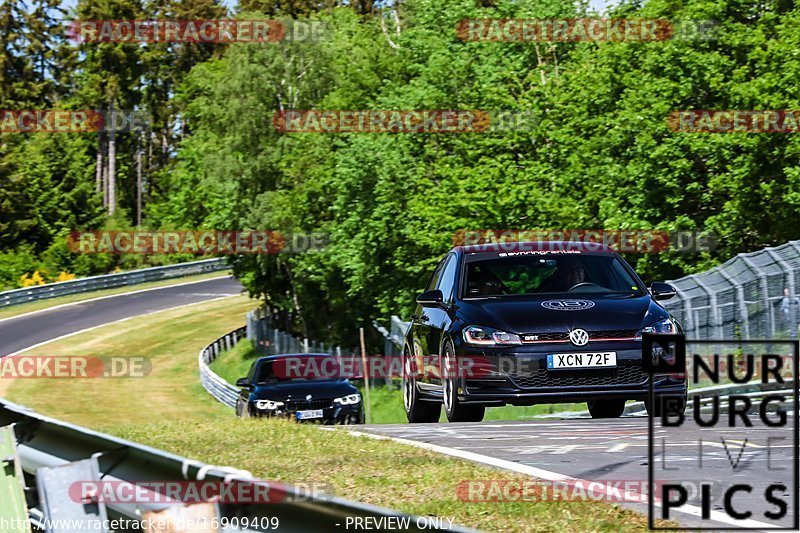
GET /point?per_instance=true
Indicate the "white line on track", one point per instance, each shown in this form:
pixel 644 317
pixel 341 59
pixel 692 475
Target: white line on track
pixel 59 306
pixel 112 323
pixel 548 475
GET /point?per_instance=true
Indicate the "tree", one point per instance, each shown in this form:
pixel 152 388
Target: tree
pixel 109 79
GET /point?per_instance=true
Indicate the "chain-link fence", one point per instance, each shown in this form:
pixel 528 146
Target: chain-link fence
pixel 269 340
pixel 752 296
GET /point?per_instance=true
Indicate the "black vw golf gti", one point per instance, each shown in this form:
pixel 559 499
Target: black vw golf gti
pixel 531 323
pixel 303 387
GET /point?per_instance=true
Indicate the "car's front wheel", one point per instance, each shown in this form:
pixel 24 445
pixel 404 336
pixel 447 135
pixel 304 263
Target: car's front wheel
pixel 416 410
pixel 453 408
pixel 606 408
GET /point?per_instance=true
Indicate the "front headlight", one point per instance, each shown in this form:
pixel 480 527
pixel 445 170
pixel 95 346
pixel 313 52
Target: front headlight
pixel 662 326
pixel 352 399
pixel 268 405
pixel 483 336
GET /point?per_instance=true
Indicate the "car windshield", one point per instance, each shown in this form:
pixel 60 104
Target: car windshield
pixel 298 368
pixel 548 274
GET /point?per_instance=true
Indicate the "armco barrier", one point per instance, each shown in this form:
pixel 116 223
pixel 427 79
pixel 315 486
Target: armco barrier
pixel 44 444
pixel 212 383
pixel 110 281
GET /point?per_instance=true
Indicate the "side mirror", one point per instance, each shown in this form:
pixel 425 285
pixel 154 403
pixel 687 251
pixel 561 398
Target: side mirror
pixel 430 298
pixel 243 382
pixel 662 291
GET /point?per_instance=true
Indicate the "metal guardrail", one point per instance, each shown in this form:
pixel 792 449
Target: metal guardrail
pixel 50 448
pixel 217 387
pixel 753 389
pixel 110 281
pixel 12 488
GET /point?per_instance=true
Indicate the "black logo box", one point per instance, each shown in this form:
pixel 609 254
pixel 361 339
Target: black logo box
pixel 675 345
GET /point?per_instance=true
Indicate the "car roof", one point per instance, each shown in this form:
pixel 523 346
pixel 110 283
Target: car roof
pixel 543 246
pixel 285 355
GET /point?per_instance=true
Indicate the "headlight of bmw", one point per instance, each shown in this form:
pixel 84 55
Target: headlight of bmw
pixel 351 399
pixel 666 325
pixel 268 405
pixel 483 336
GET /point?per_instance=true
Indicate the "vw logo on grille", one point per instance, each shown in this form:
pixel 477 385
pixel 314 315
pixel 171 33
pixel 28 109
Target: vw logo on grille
pixel 579 337
pixel 308 397
pixel 568 305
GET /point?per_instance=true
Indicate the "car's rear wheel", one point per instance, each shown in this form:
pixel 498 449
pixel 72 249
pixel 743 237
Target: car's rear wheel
pixel 674 405
pixel 453 408
pixel 417 411
pixel 606 408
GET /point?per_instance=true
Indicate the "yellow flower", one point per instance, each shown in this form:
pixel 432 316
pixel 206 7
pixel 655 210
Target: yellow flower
pixel 65 276
pixel 27 281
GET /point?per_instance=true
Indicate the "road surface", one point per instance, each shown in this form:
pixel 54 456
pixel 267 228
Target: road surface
pixel 18 333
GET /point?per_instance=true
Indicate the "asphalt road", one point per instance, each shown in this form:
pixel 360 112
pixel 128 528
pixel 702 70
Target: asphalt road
pixel 614 451
pixel 18 333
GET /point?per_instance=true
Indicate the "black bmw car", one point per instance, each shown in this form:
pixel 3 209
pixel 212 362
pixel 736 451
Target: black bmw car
pixel 531 323
pixel 293 386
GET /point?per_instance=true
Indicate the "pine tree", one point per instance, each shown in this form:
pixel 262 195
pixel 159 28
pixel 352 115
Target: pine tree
pixel 109 78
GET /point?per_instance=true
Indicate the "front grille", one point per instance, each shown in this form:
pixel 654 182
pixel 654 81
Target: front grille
pixel 554 379
pixel 299 405
pixel 613 334
pixel 539 337
pixel 556 337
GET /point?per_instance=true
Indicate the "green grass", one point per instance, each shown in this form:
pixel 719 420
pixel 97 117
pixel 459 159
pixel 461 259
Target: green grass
pixel 38 305
pixel 235 363
pixel 169 410
pixel 382 473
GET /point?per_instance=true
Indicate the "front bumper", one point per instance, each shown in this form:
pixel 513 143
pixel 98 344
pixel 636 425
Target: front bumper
pixel 331 415
pixel 518 375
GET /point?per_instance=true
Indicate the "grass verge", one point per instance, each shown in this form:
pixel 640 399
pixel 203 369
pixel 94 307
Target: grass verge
pixel 378 472
pixel 38 305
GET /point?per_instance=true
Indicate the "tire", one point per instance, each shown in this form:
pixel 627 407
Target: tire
pixel 417 411
pixel 453 408
pixel 606 408
pixel 675 405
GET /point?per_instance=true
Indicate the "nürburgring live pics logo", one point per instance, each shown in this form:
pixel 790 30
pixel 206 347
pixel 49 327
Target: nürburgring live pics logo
pixel 731 459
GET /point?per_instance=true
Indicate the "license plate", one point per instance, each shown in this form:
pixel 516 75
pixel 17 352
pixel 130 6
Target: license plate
pixel 311 413
pixel 557 361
